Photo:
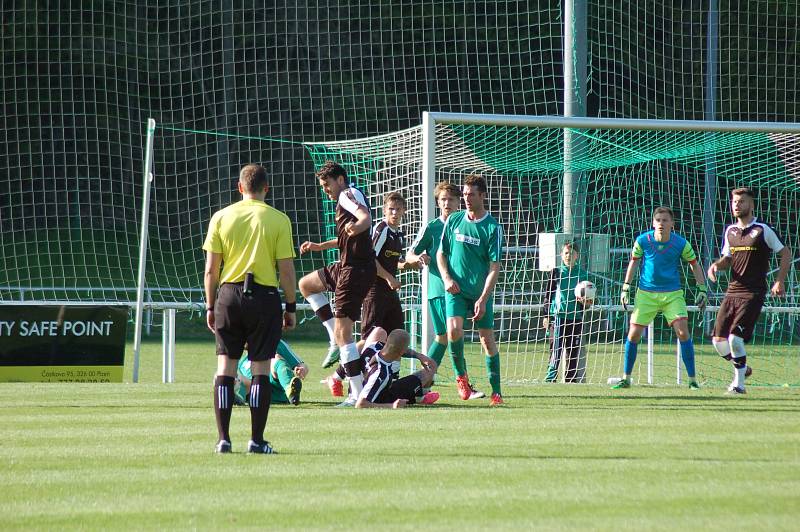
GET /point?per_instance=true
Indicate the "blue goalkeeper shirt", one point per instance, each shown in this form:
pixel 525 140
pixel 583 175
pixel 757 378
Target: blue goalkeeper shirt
pixel 660 270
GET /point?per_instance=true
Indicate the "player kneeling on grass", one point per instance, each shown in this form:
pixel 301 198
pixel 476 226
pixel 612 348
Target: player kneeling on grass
pixel 660 252
pixel 285 377
pixel 382 387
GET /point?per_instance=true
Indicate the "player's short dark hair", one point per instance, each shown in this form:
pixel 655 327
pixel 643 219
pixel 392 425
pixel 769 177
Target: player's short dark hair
pixel 253 177
pixel 475 180
pixel 394 197
pixel 331 170
pixel 445 186
pixel 743 191
pixel 663 210
pixel 572 246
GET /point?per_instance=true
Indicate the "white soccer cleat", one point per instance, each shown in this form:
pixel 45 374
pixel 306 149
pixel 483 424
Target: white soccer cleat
pixel 332 357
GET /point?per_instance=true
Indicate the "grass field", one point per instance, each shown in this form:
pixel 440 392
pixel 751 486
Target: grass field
pixel 139 456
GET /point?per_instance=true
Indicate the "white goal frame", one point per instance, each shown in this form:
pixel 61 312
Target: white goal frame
pixel 430 119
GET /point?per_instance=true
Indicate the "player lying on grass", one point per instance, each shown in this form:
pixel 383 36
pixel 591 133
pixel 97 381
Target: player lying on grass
pixel 660 252
pixel 372 345
pixel 382 387
pixel 285 377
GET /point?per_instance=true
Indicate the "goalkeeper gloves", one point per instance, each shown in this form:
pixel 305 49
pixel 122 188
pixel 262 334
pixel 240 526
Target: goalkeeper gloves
pixel 701 300
pixel 625 297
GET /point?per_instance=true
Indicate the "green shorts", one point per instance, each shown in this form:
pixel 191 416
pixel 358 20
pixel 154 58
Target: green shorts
pixel 458 305
pixel 648 304
pixel 438 312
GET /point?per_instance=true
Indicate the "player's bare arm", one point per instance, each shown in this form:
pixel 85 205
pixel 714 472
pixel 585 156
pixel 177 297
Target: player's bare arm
pixel 450 284
pixel 210 283
pixel 702 297
pixel 779 288
pixel 488 286
pixel 390 279
pixel 416 261
pixel 288 282
pixel 722 264
pixel 362 223
pixel 426 361
pixel 307 246
pixel 364 403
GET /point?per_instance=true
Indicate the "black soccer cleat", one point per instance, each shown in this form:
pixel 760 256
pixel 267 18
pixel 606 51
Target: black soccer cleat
pixel 222 447
pixel 260 448
pixel 294 390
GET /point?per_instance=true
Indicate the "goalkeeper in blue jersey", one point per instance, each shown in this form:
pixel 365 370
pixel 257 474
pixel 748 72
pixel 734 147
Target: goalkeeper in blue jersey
pixel 285 377
pixel 660 252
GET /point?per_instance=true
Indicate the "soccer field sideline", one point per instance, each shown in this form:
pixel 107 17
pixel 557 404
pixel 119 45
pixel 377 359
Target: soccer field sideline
pixel 139 456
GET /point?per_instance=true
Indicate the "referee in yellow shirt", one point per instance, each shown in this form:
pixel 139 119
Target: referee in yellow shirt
pixel 251 243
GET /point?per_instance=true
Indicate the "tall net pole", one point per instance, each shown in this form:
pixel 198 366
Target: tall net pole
pixel 574 105
pixel 148 180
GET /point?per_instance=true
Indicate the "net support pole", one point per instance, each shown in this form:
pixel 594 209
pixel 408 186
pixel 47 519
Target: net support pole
pixel 140 280
pixel 710 114
pixel 428 214
pixel 575 50
pixel 651 332
pixel 168 346
pixel 678 357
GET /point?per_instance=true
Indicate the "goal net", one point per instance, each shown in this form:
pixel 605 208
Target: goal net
pixel 621 175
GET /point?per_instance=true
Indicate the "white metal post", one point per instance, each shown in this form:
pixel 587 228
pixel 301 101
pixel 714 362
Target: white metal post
pixel 428 213
pixel 650 352
pixel 168 346
pixel 678 362
pixel 148 180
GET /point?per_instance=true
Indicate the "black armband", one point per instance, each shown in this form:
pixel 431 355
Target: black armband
pixel 291 307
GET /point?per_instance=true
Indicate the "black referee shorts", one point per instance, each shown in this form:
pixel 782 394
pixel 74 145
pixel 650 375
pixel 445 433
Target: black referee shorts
pixel 254 319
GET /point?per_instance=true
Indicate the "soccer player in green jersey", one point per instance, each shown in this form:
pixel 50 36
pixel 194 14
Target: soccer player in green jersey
pixel 425 246
pixel 660 252
pixel 469 262
pixel 286 375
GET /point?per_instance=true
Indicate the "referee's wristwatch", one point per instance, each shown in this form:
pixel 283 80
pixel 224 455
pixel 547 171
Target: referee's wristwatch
pixel 209 309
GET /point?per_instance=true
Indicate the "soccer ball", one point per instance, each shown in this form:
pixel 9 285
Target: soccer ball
pixel 585 290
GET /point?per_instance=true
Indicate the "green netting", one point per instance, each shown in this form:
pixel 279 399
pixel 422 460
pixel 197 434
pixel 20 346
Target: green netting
pixel 623 176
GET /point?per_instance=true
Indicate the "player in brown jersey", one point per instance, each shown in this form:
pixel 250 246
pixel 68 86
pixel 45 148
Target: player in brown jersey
pixel 351 277
pixel 381 307
pixel 746 249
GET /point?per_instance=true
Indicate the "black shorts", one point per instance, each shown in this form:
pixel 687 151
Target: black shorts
pixel 350 285
pixel 409 387
pixel 738 315
pixel 381 309
pixel 255 320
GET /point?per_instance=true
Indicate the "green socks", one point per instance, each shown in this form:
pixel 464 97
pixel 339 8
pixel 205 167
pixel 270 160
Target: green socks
pixel 436 351
pixel 493 371
pixel 457 356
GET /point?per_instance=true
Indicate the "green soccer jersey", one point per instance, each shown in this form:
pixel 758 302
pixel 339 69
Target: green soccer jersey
pixel 428 241
pixel 564 303
pixel 470 246
pixel 283 350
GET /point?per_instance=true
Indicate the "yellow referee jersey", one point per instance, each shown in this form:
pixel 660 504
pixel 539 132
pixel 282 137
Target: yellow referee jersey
pixel 251 236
